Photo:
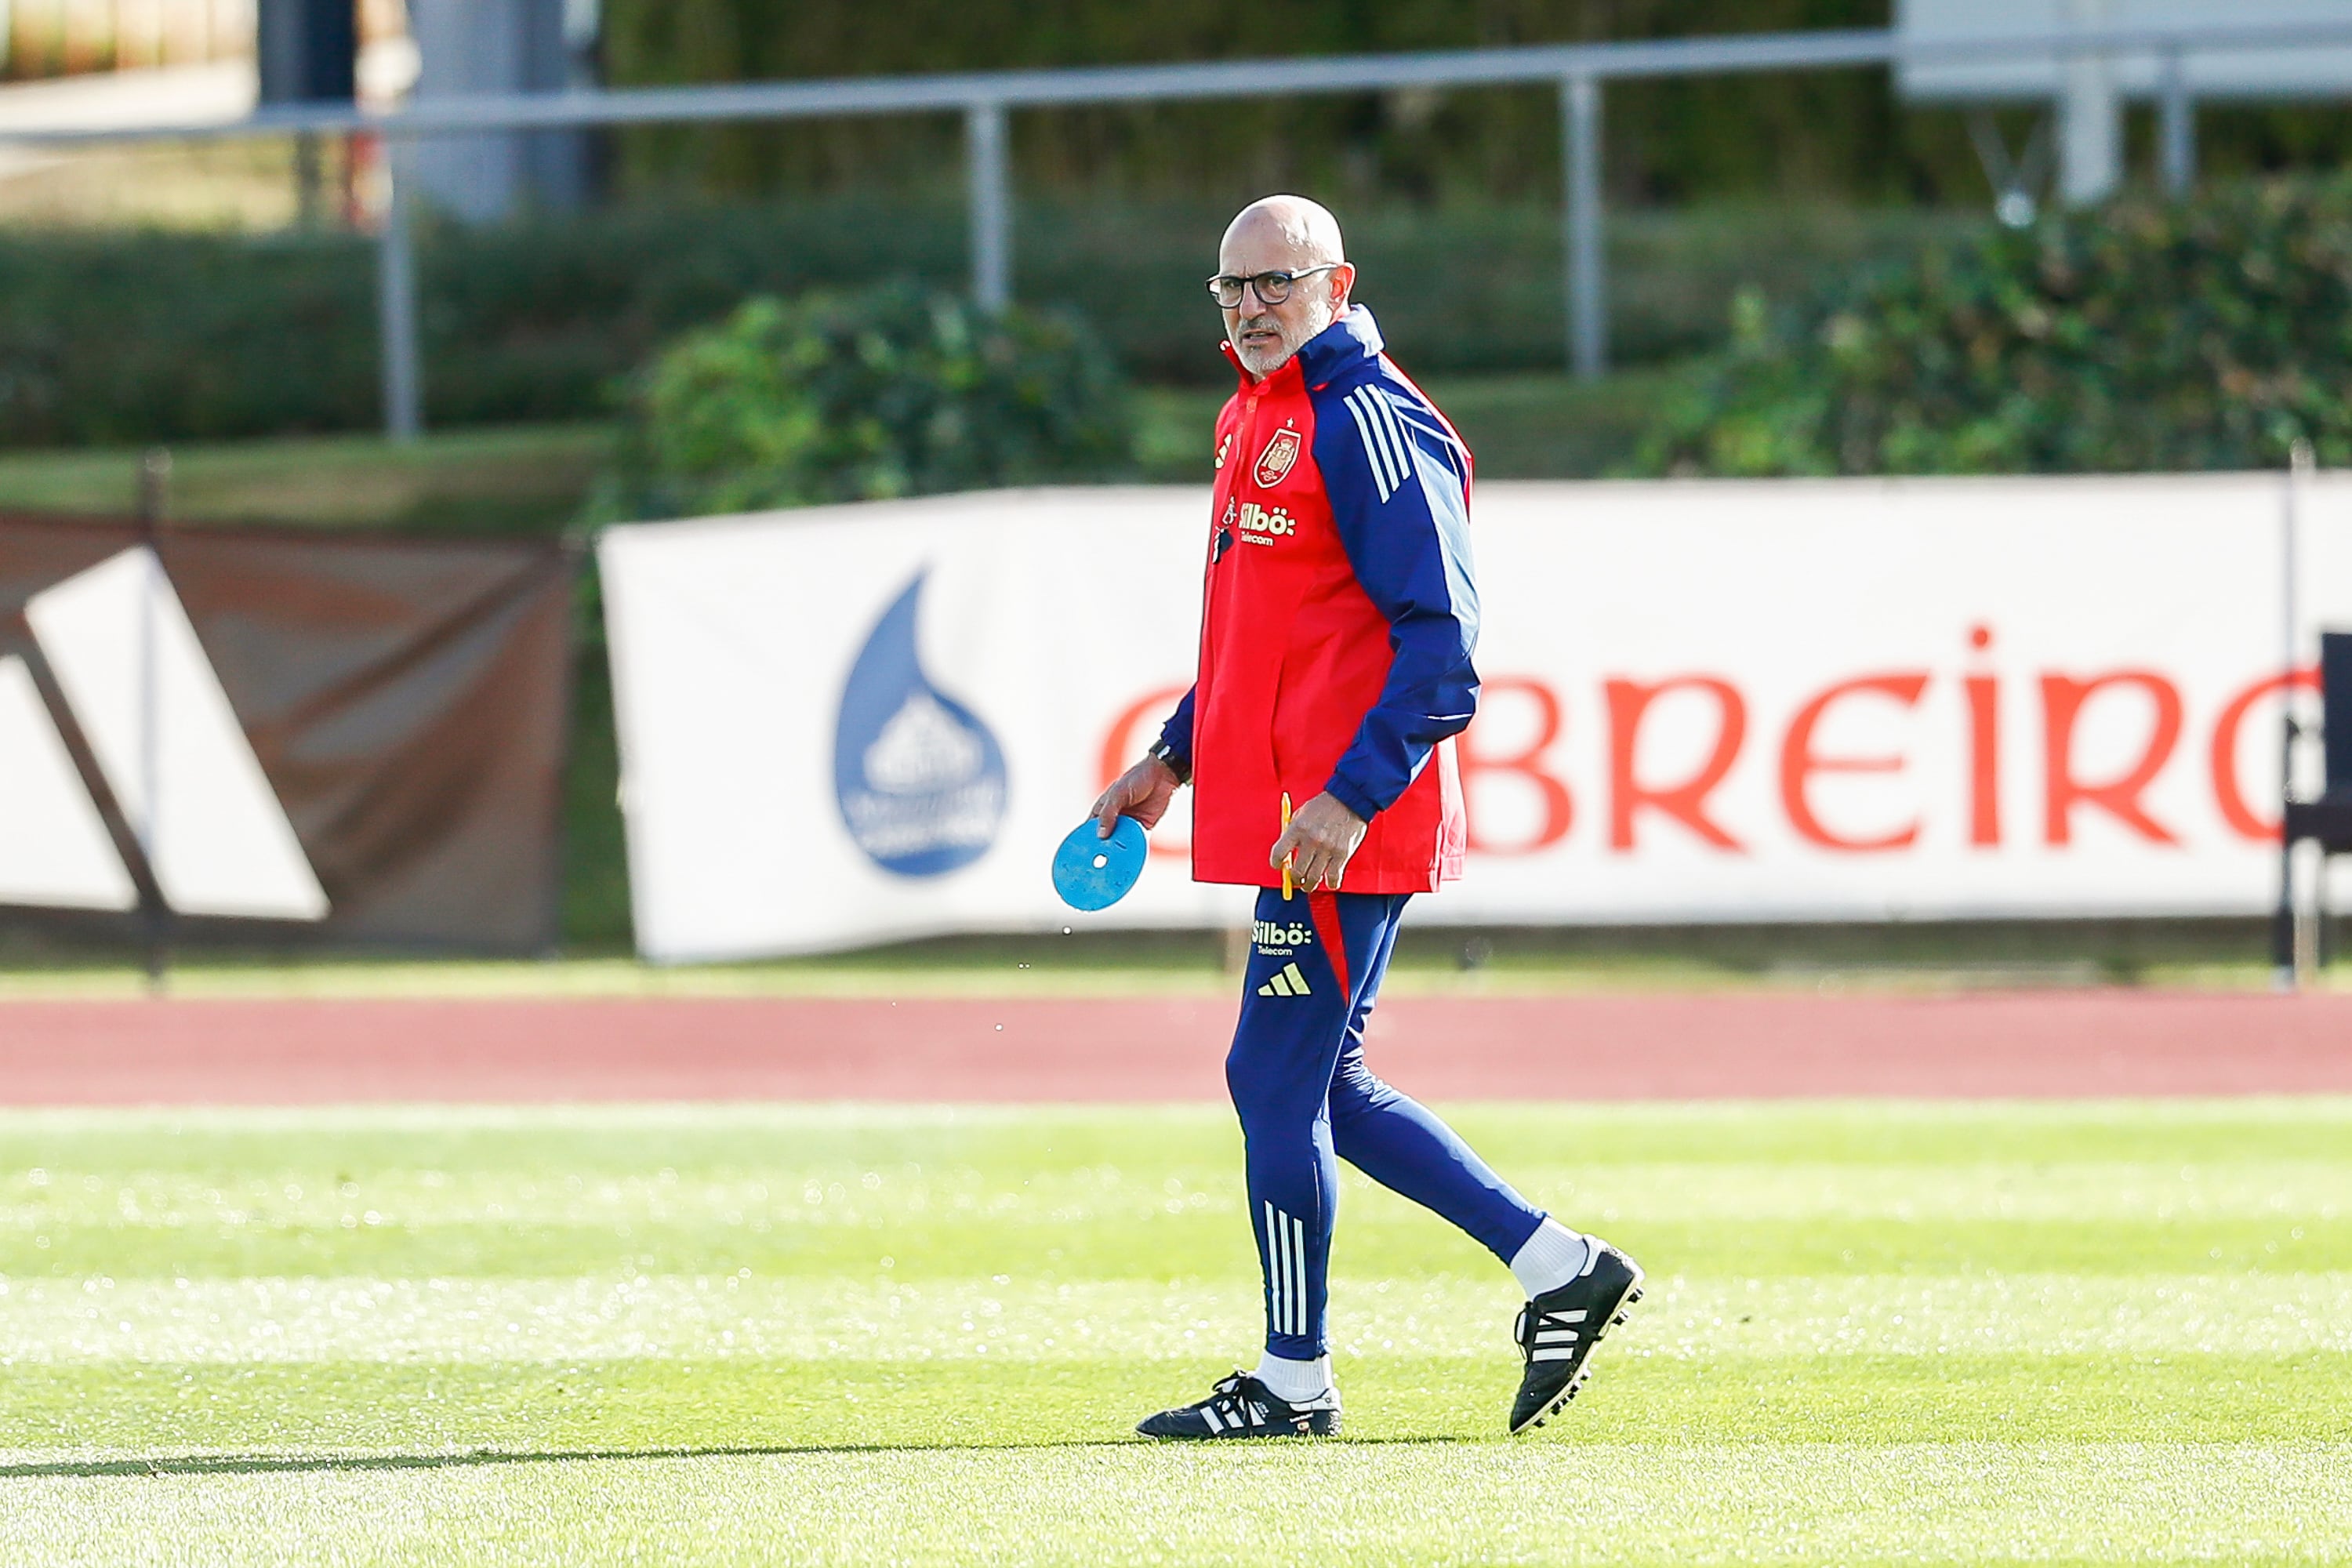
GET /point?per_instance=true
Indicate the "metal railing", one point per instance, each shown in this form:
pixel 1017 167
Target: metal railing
pixel 1578 71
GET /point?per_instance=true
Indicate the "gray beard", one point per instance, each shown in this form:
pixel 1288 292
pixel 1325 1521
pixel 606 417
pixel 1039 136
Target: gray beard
pixel 1249 359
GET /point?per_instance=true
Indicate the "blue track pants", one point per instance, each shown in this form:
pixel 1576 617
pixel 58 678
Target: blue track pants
pixel 1306 1101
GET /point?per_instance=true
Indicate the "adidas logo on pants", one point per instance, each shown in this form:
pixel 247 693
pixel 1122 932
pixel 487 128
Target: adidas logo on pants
pixel 1285 982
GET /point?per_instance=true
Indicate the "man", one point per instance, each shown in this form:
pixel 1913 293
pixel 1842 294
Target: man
pixel 1336 627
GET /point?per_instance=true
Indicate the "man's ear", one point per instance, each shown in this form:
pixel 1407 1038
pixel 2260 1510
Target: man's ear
pixel 1343 285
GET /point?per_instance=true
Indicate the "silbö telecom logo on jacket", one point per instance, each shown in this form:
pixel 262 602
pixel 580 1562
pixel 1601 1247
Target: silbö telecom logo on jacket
pixel 920 779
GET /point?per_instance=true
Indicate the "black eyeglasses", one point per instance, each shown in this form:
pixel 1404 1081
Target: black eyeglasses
pixel 1272 288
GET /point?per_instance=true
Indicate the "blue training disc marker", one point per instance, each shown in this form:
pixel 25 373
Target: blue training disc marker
pixel 1092 872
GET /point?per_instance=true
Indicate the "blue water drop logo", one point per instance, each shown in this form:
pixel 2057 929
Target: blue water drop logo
pixel 920 779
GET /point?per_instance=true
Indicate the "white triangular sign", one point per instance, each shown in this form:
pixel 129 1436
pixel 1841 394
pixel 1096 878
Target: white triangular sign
pixel 136 678
pixel 54 850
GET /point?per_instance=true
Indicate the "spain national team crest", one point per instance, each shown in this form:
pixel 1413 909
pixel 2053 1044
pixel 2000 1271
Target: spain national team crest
pixel 1280 453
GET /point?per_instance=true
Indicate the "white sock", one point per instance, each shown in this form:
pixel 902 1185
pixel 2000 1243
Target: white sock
pixel 1549 1259
pixel 1295 1381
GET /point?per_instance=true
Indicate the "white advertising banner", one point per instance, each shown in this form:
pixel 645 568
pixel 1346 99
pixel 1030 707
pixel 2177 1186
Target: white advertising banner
pixel 1703 701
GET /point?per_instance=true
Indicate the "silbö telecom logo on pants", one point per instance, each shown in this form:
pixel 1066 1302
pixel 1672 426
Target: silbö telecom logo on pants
pixel 920 779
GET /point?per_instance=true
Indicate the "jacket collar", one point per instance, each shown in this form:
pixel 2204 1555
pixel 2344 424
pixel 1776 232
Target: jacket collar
pixel 1354 336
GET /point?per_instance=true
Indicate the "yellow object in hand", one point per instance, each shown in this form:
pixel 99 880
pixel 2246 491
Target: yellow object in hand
pixel 1290 856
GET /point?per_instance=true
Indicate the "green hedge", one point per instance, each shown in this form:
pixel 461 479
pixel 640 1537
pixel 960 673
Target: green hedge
pixel 127 338
pixel 132 338
pixel 2143 337
pixel 117 339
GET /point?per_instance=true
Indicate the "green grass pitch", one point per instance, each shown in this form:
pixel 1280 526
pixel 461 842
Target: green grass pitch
pixel 2084 1333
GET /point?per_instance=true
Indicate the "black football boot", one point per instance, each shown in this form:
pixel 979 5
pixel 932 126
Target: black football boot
pixel 1241 1406
pixel 1557 1330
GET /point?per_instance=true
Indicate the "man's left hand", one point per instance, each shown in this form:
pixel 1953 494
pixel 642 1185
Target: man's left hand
pixel 1324 833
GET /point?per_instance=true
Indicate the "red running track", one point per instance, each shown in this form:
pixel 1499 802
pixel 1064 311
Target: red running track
pixel 1599 1047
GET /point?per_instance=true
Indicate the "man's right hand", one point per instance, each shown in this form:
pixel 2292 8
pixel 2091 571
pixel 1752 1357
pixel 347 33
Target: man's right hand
pixel 1143 792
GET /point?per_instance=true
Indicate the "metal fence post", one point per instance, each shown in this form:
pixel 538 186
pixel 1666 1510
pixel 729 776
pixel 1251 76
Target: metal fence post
pixel 1587 281
pixel 2286 949
pixel 395 299
pixel 991 216
pixel 2090 118
pixel 2177 130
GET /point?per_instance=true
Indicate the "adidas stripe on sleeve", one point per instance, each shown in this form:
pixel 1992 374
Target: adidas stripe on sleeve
pixel 1399 483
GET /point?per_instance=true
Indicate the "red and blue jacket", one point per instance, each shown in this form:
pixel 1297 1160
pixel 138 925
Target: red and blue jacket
pixel 1337 619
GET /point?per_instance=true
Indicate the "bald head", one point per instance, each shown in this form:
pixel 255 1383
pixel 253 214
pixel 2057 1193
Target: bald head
pixel 1299 232
pixel 1290 235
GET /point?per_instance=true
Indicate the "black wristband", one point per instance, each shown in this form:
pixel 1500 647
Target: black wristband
pixel 1167 758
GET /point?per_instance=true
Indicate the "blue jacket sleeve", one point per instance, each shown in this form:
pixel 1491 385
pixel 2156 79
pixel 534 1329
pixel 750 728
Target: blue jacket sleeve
pixel 1177 733
pixel 1398 488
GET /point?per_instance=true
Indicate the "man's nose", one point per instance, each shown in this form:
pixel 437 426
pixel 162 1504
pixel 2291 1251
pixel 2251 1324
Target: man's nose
pixel 1252 302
